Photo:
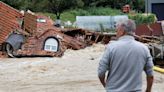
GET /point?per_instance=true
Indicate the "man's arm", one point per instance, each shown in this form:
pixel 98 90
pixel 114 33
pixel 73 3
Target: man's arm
pixel 149 83
pixel 149 71
pixel 103 67
pixel 102 80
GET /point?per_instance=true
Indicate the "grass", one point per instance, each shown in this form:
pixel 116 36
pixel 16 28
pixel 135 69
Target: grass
pixel 70 15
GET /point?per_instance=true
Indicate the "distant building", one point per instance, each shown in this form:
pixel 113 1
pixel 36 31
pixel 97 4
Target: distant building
pixel 156 7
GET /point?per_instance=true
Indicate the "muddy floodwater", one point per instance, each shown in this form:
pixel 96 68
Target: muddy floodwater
pixel 76 71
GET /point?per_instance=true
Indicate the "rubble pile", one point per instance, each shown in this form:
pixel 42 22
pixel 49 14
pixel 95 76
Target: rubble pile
pixel 30 34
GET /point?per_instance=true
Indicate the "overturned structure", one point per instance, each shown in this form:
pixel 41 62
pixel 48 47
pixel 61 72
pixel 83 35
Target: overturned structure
pixel 29 34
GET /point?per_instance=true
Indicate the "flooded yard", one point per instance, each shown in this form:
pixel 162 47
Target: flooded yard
pixel 76 71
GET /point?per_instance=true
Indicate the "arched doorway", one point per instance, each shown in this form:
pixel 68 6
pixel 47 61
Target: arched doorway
pixel 51 44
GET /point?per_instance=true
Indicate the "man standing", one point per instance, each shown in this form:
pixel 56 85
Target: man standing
pixel 124 60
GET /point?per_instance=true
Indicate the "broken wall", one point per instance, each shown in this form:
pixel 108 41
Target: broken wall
pixel 30 23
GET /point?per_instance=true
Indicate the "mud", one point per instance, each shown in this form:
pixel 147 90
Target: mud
pixel 76 71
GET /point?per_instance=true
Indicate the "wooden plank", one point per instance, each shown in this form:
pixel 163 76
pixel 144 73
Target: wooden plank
pixel 97 38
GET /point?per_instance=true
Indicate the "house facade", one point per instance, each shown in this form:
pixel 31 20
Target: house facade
pixel 156 7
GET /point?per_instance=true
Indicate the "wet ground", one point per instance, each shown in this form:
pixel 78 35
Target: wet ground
pixel 76 71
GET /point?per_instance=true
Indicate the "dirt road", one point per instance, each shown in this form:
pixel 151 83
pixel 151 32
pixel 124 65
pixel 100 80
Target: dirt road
pixel 76 71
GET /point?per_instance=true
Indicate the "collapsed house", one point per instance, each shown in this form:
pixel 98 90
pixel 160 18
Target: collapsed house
pixel 29 34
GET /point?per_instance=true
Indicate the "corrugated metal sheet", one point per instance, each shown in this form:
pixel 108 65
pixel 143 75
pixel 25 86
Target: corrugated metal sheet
pixel 144 30
pixel 9 20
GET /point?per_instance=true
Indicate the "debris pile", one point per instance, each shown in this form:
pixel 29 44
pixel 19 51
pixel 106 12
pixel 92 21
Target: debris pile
pixel 30 34
pixel 152 35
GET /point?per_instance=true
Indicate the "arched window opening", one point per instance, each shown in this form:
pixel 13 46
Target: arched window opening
pixel 51 44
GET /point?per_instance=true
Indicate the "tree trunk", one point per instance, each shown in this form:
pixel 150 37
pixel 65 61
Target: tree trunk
pixel 57 21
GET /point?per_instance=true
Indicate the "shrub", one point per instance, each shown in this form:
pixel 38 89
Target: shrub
pixel 141 18
pixel 70 15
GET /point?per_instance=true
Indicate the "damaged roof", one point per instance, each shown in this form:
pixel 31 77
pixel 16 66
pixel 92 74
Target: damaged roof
pixel 9 20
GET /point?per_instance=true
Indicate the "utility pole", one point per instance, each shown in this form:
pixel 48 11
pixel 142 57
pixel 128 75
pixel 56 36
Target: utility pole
pixel 147 7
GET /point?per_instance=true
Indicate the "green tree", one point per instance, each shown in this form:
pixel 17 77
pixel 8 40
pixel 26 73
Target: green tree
pixel 39 5
pixel 58 6
pixel 137 5
pixel 14 3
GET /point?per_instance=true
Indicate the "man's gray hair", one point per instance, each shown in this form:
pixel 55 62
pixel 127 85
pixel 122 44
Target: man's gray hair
pixel 128 25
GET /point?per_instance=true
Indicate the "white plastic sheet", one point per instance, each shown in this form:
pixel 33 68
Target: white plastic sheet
pixel 96 23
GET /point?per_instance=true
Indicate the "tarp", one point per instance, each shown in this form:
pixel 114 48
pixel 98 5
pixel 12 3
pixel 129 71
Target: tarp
pixel 15 40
